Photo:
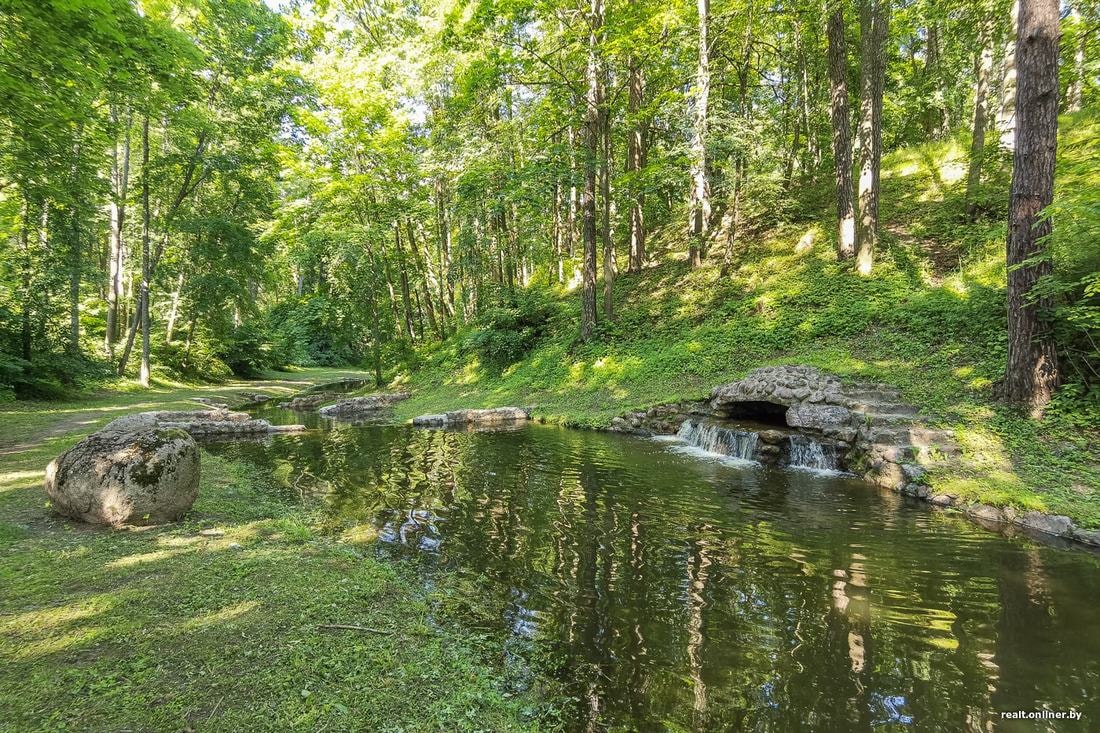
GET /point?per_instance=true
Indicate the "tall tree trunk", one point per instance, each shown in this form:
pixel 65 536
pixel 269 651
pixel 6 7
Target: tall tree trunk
pixel 842 143
pixel 188 185
pixel 591 152
pixel 609 271
pixel 375 327
pixel 173 312
pixel 571 212
pixel 425 278
pixel 635 163
pixel 26 334
pixel 1031 373
pixel 145 269
pixel 735 217
pixel 874 18
pixel 1006 117
pixel 443 227
pixel 403 272
pixel 977 142
pixel 556 268
pixel 700 186
pixel 120 179
pixel 937 112
pixel 1077 81
pixel 805 108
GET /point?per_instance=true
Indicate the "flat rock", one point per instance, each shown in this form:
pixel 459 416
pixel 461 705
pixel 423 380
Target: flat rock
pixel 1055 524
pixel 308 402
pixel 943 500
pixel 199 423
pixel 985 513
pixel 490 416
pixel 1087 536
pixel 366 403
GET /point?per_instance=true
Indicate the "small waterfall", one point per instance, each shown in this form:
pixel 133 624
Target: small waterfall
pixel 724 441
pixel 805 452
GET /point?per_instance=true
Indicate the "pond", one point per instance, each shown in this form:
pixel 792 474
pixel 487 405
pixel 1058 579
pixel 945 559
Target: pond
pixel 671 591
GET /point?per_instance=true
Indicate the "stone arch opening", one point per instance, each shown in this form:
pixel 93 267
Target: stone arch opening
pixel 768 413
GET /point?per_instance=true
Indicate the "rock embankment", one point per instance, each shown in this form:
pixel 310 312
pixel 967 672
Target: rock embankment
pixel 368 404
pixel 475 418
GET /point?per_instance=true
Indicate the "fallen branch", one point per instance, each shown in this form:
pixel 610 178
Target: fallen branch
pixel 351 627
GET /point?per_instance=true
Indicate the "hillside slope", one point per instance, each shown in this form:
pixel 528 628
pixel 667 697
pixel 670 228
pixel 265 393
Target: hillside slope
pixel 931 321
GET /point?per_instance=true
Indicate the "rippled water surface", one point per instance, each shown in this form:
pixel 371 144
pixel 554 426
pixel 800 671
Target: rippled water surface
pixel 667 591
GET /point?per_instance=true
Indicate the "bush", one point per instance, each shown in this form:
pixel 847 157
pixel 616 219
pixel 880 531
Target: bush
pixel 504 333
pixel 197 361
pixel 311 331
pixel 247 352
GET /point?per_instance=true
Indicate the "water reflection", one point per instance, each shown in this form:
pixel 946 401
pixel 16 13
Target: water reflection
pixel 670 593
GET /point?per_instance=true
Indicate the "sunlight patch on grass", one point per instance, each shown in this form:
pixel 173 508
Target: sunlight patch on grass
pixel 18 479
pixel 220 616
pixel 141 558
pixel 49 618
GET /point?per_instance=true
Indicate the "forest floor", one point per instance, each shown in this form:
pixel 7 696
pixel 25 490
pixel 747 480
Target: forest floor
pixel 930 321
pixel 162 628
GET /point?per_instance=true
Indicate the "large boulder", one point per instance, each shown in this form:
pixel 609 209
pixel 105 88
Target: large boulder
pixel 122 476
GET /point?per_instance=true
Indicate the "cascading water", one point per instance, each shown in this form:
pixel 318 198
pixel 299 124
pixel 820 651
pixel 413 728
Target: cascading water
pixel 805 452
pixel 718 439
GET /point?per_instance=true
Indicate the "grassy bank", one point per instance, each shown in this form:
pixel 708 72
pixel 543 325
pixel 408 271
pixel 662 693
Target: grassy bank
pixel 163 629
pixel 931 321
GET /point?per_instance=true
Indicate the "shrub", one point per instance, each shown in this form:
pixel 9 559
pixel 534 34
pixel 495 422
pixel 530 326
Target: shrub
pixel 505 332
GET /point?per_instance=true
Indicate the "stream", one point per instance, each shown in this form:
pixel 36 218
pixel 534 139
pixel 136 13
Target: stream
pixel 665 589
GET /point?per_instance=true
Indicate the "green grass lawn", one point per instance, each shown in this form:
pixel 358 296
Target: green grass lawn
pixel 162 629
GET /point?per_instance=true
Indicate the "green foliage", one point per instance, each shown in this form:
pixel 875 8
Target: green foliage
pixel 247 352
pixel 313 331
pixel 195 360
pixel 504 332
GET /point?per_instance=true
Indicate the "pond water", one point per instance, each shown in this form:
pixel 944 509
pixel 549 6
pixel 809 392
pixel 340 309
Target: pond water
pixel 669 591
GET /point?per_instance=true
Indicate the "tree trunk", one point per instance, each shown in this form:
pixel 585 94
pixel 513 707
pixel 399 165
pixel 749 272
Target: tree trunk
pixel 375 329
pixel 1031 373
pixel 735 218
pixel 403 272
pixel 977 142
pixel 1077 80
pixel 145 270
pixel 591 141
pixel 608 246
pixel 26 278
pixel 874 18
pixel 635 164
pixel 556 269
pixel 938 112
pixel 1006 117
pixel 443 226
pixel 120 178
pixel 173 312
pixel 842 143
pixel 700 187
